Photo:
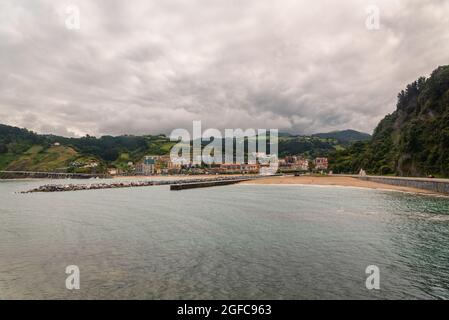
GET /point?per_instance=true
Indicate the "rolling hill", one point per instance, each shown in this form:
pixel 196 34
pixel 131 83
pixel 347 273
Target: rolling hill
pixel 345 137
pixel 24 150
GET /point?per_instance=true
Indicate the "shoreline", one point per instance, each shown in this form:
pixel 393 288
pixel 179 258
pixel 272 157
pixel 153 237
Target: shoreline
pixel 338 181
pixel 279 180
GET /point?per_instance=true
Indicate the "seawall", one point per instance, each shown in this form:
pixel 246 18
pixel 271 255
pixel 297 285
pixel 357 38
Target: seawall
pixel 435 185
pixel 206 184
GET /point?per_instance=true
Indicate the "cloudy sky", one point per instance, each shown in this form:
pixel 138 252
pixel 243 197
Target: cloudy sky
pixel 151 66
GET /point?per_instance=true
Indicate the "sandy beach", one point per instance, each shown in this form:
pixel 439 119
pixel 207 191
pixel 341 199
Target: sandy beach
pixel 333 181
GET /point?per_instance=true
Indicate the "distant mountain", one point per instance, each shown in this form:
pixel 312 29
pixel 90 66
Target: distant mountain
pixel 413 140
pixel 345 136
pixel 320 144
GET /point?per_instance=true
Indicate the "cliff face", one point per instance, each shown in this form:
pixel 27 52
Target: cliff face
pixel 414 140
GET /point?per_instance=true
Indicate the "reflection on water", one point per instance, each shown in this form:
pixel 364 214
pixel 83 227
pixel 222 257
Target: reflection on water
pixel 233 242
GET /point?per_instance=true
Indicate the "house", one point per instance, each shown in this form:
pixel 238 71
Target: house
pixel 320 163
pixel 91 164
pixel 303 164
pixel 147 166
pixel 239 168
pixel 113 171
pixel 297 163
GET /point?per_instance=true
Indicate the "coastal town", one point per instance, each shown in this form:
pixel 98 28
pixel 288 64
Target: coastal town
pixel 163 165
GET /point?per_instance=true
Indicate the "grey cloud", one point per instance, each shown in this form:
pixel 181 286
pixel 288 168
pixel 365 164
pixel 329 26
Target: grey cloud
pixel 151 66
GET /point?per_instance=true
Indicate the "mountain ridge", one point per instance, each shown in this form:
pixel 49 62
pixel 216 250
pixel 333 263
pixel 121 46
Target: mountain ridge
pixel 22 149
pixel 345 136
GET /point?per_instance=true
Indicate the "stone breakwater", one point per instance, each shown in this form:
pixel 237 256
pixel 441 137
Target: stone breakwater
pixel 131 184
pixel 434 185
pixel 204 184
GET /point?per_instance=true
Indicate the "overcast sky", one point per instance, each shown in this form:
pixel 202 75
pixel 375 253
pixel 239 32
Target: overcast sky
pixel 151 66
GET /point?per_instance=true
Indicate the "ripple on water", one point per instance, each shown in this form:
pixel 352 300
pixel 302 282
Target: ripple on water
pixel 242 241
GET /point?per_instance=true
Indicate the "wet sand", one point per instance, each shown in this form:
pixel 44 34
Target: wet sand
pixel 333 181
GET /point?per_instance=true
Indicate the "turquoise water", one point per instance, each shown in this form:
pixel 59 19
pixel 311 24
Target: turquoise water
pixel 232 242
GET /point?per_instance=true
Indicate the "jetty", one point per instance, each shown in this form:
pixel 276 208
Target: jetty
pixel 204 184
pixel 178 184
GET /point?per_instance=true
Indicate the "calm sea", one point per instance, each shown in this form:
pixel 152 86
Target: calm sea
pixel 232 242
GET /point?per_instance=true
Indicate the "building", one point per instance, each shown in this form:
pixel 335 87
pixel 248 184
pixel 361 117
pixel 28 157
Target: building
pixel 91 164
pixel 296 163
pixel 147 166
pixel 320 163
pixel 165 165
pixel 178 163
pixel 239 168
pixel 113 171
pixel 158 165
pixel 165 162
pixel 302 165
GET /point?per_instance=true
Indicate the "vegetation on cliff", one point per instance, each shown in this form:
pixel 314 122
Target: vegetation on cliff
pixel 413 140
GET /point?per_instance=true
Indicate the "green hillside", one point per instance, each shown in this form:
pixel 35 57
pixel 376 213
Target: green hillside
pixel 345 137
pixel 307 145
pixel 21 149
pixel 413 140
